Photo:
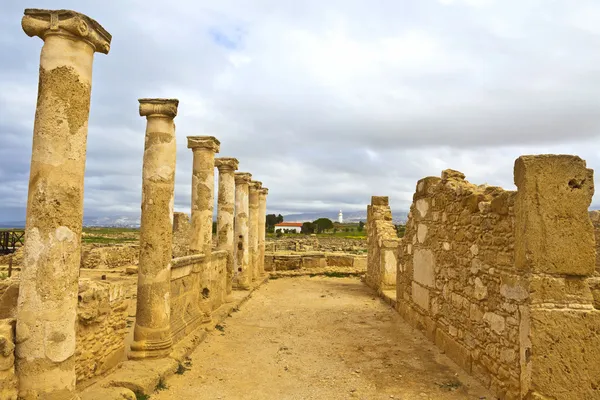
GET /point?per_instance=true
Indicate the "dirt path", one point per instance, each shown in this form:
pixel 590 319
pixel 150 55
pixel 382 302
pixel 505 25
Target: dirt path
pixel 319 338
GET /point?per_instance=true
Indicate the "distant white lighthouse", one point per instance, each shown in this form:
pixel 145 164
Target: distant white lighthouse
pixel 341 217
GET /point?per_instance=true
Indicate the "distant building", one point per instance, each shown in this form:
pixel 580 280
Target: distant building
pixel 341 217
pixel 296 226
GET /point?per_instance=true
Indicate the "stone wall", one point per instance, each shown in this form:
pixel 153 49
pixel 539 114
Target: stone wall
pixel 109 256
pixel 194 278
pixel 286 262
pixel 501 280
pixel 313 243
pixel 383 245
pixel 101 324
pixel 101 328
pixel 8 379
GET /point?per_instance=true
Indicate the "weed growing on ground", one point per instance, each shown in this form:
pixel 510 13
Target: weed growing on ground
pixel 450 385
pixel 161 385
pixel 141 396
pixel 220 327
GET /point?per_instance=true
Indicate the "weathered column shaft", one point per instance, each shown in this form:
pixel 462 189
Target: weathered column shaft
pixel 152 332
pixel 253 227
pixel 243 276
pixel 203 188
pixel 47 304
pixel 262 229
pixel 225 212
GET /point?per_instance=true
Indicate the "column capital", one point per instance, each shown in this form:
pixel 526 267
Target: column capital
pixel 242 177
pixel 263 191
pixel 158 107
pixel 226 164
pixel 255 185
pixel 203 142
pixel 42 23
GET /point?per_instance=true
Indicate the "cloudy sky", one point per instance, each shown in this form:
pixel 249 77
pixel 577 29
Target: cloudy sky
pixel 326 101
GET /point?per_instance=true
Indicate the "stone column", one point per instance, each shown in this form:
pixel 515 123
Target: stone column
pixel 262 229
pixel 203 188
pixel 47 304
pixel 254 188
pixel 225 210
pixel 152 332
pixel 242 276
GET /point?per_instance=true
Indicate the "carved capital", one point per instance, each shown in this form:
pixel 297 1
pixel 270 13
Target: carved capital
pixel 255 185
pixel 264 192
pixel 242 177
pixel 158 107
pixel 204 142
pixel 225 164
pixel 42 23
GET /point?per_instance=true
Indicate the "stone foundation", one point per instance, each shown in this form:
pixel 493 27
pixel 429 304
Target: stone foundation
pixel 287 262
pixel 109 256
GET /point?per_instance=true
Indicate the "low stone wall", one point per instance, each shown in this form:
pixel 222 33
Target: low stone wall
pixel 197 287
pixel 109 256
pixel 503 281
pixel 383 245
pixel 8 379
pixel 101 328
pixel 286 262
pixel 312 243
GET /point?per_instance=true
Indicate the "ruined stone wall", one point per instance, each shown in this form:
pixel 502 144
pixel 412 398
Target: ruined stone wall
pixel 101 327
pixel 312 243
pixel 313 260
pixel 382 243
pixel 504 281
pixel 109 256
pixel 457 278
pixel 8 379
pixel 101 324
pixel 194 278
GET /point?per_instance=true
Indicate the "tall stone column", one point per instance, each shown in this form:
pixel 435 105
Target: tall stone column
pixel 47 304
pixel 225 210
pixel 262 229
pixel 203 188
pixel 243 275
pixel 152 332
pixel 253 227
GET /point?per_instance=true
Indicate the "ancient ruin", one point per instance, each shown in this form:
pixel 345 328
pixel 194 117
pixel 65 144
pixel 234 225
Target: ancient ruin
pixel 505 284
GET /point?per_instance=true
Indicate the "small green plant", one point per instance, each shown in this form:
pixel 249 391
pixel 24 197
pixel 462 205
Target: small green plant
pixel 3 276
pixel 180 369
pixel 220 327
pixel 161 385
pixel 141 396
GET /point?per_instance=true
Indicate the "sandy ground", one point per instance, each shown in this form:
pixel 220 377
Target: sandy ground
pixel 318 338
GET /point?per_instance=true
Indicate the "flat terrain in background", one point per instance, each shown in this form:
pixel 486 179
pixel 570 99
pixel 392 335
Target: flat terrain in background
pixel 318 338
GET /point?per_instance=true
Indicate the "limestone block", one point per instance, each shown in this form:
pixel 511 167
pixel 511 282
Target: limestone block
pixel 452 174
pixel 456 351
pixel 424 267
pixel 553 230
pixel 113 393
pixel 420 296
pixel 379 200
pixel 565 353
pixel 497 322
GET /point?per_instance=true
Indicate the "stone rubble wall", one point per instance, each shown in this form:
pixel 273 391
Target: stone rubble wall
pixel 505 282
pixel 8 379
pixel 313 260
pixel 383 244
pixel 595 218
pixel 312 243
pixel 457 279
pixel 101 328
pixel 101 325
pixel 109 256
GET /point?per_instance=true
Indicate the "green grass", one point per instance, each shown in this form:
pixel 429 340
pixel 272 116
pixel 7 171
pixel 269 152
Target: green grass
pixel 161 385
pixel 110 235
pixel 141 396
pixel 3 276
